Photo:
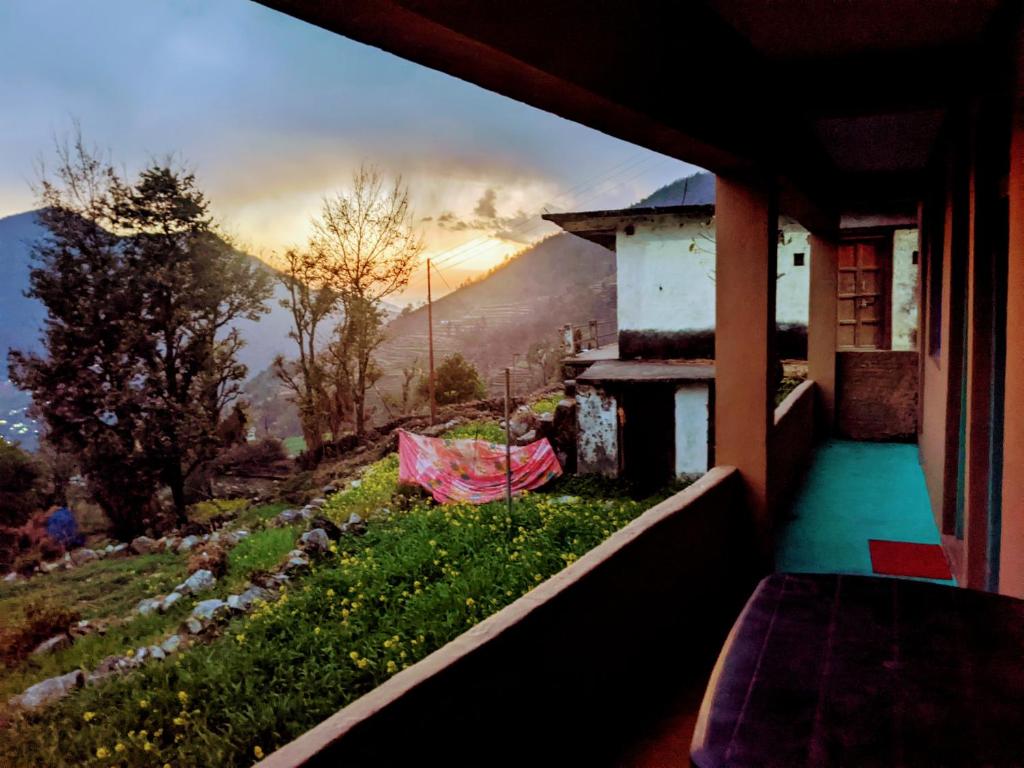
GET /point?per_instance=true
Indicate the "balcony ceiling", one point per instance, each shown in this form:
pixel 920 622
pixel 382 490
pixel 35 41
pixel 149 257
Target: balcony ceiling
pixel 843 99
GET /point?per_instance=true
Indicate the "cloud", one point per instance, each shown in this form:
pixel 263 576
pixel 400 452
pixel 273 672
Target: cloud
pixel 485 205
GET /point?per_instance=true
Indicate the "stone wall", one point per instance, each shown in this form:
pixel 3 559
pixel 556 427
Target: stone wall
pixel 876 394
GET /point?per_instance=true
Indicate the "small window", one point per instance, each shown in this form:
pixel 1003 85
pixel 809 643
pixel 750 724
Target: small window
pixel 913 258
pixel 798 259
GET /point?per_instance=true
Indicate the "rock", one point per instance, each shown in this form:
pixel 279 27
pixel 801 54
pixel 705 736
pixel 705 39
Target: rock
pixel 354 519
pixel 328 489
pixel 315 541
pixel 332 530
pixel 307 512
pixel 356 483
pixel 48 691
pixel 109 548
pixel 245 601
pixel 193 625
pixel 287 517
pixel 141 654
pixel 207 609
pixel 168 602
pixel 200 581
pixel 109 667
pixel 187 543
pixel 527 438
pixel 143 545
pixel 171 543
pixel 83 555
pixel 522 421
pixel 148 605
pixel 241 534
pixel 51 567
pixel 119 549
pixel 54 644
pixel 171 644
pixel 157 653
pixel 317 502
pixel 296 563
pixel 12 576
pixel 82 628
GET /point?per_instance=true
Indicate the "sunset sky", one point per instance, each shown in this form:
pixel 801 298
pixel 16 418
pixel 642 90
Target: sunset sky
pixel 273 114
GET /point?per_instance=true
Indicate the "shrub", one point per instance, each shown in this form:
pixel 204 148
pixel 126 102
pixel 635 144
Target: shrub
pixel 42 621
pixel 20 477
pixel 456 381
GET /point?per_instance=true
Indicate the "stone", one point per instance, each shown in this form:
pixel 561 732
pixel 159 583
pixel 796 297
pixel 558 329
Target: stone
pixel 51 567
pixel 54 644
pixel 109 667
pixel 83 555
pixel 187 544
pixel 527 438
pixel 354 519
pixel 317 502
pixel 157 653
pixel 320 521
pixel 245 601
pixel 141 654
pixel 296 563
pixel 148 605
pixel 48 691
pixel 241 534
pixel 287 516
pixel 328 489
pixel 171 644
pixel 208 609
pixel 119 549
pixel 12 576
pixel 168 602
pixel 171 543
pixel 315 541
pixel 193 625
pixel 143 545
pixel 200 581
pixel 356 483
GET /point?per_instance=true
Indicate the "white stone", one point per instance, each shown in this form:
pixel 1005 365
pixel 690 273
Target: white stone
pixel 200 581
pixel 148 605
pixel 207 609
pixel 187 544
pixel 169 601
pixel 171 644
pixel 54 644
pixel 157 653
pixel 48 691
pixel 315 540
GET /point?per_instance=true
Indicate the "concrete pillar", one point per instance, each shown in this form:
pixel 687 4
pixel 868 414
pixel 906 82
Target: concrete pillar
pixel 821 328
pixel 1011 560
pixel 746 237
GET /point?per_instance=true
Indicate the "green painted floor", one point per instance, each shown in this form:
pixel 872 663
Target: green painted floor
pixel 854 492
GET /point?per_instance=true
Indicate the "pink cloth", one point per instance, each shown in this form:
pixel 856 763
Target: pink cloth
pixel 472 470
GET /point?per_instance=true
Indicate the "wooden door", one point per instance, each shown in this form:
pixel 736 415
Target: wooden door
pixel 863 307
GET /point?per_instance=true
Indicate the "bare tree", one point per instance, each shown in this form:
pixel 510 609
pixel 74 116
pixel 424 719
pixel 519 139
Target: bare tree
pixel 365 248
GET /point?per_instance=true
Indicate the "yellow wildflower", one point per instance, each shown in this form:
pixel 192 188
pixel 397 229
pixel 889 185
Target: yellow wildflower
pixel 240 638
pixel 143 703
pixel 258 752
pixel 102 752
pixel 119 747
pixel 148 747
pixel 362 663
pixel 88 716
pixel 392 667
pixel 182 697
pixel 330 593
pixel 470 602
pixel 179 721
pixel 316 630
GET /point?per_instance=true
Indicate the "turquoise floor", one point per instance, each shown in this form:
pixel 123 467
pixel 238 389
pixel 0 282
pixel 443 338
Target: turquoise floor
pixel 854 492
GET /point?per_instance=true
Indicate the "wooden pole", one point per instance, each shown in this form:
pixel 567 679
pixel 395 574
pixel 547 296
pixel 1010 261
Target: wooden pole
pixel 508 442
pixel 430 336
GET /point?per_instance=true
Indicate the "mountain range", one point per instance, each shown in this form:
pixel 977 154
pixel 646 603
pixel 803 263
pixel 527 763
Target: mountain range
pixel 523 302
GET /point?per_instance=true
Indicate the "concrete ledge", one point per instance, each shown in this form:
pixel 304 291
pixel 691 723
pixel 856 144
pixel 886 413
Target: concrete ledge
pixel 791 443
pixel 571 670
pixel 876 394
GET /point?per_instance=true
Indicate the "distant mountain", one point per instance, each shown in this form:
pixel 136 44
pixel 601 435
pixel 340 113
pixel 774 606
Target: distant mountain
pixel 698 189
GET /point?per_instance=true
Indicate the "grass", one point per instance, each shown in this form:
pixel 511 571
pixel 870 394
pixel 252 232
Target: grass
pixel 260 551
pixel 205 511
pixel 418 578
pixel 102 589
pixel 547 404
pixel 109 590
pixel 478 430
pixel 294 445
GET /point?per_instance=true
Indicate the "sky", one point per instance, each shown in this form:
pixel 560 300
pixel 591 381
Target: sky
pixel 273 114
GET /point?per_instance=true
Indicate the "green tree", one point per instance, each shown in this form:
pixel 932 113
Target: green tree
pixel 20 478
pixel 457 380
pixel 141 294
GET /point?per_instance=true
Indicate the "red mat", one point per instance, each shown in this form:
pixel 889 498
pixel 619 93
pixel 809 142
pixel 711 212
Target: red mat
pixel 902 558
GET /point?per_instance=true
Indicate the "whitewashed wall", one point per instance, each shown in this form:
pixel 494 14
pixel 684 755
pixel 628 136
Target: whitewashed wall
pixel 666 276
pixel 597 432
pixel 692 422
pixel 904 289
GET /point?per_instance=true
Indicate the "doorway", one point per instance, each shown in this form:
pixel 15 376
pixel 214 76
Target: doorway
pixel 865 274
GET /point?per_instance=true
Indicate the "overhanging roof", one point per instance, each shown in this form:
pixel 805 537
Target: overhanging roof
pixel 600 226
pixel 840 101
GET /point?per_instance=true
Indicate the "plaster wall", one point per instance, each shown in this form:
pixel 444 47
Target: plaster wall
pixel 692 430
pixel 597 434
pixel 666 275
pixel 904 289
